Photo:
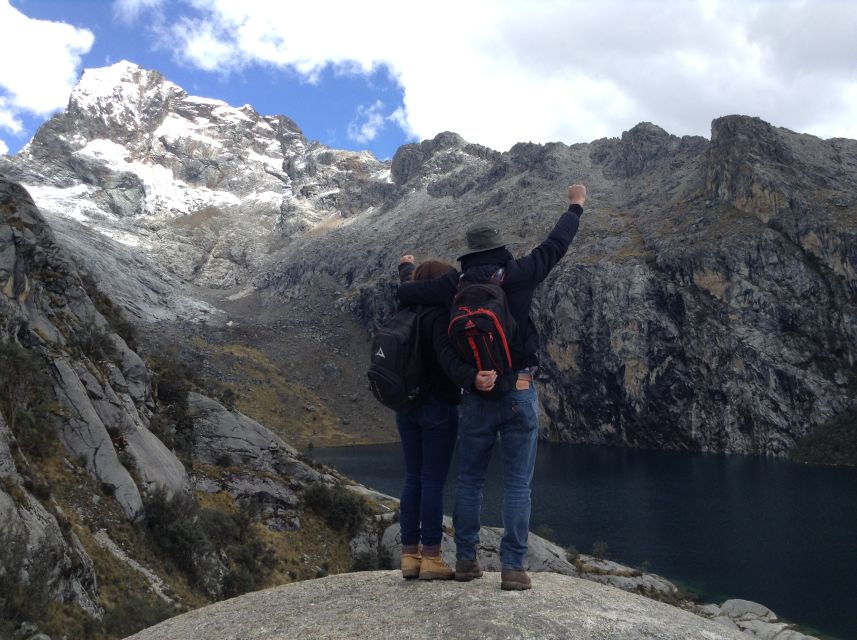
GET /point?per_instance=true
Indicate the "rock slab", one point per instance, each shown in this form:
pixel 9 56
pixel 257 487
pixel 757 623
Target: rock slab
pixel 380 604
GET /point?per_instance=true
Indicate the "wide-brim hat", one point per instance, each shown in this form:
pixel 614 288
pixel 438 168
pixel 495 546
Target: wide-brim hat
pixel 483 236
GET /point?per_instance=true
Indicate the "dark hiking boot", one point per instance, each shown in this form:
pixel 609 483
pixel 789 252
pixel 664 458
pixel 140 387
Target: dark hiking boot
pixel 512 580
pixel 466 570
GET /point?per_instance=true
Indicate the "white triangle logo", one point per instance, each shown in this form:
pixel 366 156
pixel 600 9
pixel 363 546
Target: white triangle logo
pixel 380 353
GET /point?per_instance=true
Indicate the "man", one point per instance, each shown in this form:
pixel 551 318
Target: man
pixel 512 411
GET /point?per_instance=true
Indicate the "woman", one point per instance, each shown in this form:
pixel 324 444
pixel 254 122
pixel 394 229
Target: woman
pixel 428 431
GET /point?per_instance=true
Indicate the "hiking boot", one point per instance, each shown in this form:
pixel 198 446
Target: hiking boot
pixel 466 570
pixel 513 580
pixel 434 568
pixel 411 565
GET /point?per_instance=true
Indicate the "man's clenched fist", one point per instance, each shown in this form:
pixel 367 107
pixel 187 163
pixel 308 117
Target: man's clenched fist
pixel 577 194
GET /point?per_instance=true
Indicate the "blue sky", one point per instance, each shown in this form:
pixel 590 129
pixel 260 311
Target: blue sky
pixel 377 73
pixel 323 108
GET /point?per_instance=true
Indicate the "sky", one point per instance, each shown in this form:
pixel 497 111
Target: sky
pixel 377 74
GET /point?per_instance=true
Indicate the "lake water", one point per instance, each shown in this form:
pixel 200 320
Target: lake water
pixel 746 527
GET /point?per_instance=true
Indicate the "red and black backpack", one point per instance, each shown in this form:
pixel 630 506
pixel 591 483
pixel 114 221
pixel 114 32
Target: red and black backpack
pixel 481 327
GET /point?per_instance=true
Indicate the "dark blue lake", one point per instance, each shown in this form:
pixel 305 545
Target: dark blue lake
pixel 762 529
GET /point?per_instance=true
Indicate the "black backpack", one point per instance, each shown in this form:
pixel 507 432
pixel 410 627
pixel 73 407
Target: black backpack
pixel 395 375
pixel 481 327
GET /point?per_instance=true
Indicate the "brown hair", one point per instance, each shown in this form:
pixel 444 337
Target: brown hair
pixel 431 269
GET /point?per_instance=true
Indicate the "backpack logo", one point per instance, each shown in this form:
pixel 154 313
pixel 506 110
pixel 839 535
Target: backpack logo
pixel 470 325
pixel 380 353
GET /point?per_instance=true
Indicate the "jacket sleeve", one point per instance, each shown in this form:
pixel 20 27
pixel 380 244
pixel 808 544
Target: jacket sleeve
pixel 536 266
pixel 461 373
pixel 439 291
pixel 406 271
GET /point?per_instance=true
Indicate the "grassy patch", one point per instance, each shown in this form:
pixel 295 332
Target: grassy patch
pixel 342 509
pixel 261 390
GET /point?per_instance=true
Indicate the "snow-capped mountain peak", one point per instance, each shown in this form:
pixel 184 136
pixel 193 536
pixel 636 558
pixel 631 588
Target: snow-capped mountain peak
pixel 204 188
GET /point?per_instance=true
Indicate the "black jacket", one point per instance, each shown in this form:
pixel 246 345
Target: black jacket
pixel 522 277
pixel 446 374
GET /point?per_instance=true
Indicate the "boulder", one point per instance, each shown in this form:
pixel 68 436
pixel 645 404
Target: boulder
pixel 85 435
pixel 379 604
pixel 747 610
pixel 220 434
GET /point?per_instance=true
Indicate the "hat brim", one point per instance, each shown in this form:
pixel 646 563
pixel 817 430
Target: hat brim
pixel 489 248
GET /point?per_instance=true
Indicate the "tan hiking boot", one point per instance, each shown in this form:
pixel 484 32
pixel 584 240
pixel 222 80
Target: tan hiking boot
pixel 511 580
pixel 466 570
pixel 434 568
pixel 411 563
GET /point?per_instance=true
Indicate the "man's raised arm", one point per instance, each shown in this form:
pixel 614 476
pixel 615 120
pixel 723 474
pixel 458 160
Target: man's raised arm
pixel 536 266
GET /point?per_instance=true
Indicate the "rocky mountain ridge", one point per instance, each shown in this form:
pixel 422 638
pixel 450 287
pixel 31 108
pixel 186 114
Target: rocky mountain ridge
pixel 708 302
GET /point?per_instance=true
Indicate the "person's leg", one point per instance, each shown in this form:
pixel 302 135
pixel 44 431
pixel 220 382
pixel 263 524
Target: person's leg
pixel 409 507
pixel 476 436
pixel 519 437
pixel 439 423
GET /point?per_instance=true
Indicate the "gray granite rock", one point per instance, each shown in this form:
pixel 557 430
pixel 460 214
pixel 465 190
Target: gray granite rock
pixel 85 436
pixel 219 433
pixel 381 605
pixel 746 610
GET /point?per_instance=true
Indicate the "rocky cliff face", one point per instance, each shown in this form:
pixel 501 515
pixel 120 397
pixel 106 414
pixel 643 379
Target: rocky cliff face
pixel 708 302
pixel 109 503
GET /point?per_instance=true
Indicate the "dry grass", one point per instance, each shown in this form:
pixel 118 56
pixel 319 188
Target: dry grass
pixel 265 393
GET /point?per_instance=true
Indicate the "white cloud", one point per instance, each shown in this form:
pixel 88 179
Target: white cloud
pixel 368 123
pixel 40 63
pixel 500 71
pixel 129 10
pixel 4 148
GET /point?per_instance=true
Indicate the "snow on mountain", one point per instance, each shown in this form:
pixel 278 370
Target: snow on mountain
pixel 204 191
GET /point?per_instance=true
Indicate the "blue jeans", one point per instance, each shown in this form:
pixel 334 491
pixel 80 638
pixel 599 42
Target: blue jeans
pixel 428 438
pixel 515 418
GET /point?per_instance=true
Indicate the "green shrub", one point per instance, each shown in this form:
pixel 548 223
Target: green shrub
pixel 600 550
pixel 341 509
pixel 110 310
pixel 24 399
pixel 133 614
pixel 546 532
pixel 22 600
pixel 367 561
pixel 572 554
pixel 172 381
pixel 187 533
pixel 93 342
pixel 831 443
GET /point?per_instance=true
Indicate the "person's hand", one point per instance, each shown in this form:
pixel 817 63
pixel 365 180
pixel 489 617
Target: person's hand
pixel 485 380
pixel 406 258
pixel 577 194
